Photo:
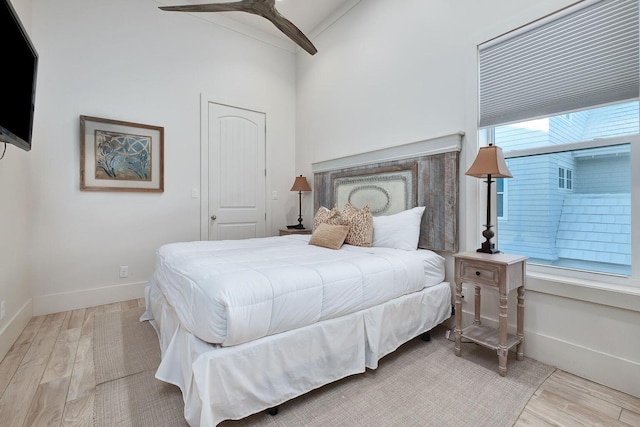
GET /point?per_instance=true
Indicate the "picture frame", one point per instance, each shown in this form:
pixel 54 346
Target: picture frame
pixel 117 155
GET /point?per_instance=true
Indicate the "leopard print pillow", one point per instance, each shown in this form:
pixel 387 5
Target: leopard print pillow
pixel 331 217
pixel 360 225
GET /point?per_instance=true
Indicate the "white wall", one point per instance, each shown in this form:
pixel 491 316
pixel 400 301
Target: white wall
pixel 128 60
pixel 389 74
pixel 16 219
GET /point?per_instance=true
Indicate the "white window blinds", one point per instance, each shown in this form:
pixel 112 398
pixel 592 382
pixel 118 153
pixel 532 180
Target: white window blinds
pixel 571 61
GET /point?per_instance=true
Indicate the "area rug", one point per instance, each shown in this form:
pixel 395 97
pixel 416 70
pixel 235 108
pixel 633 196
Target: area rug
pixel 421 384
pixel 138 400
pixel 122 345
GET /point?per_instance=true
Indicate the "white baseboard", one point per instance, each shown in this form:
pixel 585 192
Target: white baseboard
pixel 602 368
pixel 55 303
pixel 14 327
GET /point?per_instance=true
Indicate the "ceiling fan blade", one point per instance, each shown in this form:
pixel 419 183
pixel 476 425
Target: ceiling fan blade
pixel 293 32
pixel 264 8
pixel 238 6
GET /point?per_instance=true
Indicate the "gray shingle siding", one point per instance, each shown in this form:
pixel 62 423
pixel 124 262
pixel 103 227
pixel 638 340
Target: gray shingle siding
pixel 595 227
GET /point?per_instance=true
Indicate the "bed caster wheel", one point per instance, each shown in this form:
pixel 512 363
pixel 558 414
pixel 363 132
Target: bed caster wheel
pixel 425 337
pixel 273 411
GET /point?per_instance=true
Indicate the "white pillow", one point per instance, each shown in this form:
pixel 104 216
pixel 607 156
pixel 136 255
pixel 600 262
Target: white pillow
pixel 399 231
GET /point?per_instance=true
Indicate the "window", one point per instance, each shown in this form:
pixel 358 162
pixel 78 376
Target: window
pixel 565 178
pixel 588 228
pixel 569 126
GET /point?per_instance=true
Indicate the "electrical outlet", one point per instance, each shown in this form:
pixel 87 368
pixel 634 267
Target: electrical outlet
pixel 124 271
pixel 3 309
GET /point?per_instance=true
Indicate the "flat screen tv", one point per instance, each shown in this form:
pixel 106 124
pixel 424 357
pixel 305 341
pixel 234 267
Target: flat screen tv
pixel 19 69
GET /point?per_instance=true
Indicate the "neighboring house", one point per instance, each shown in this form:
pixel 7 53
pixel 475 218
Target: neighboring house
pixel 570 209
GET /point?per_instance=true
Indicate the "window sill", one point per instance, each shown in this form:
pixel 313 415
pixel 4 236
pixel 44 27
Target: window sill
pixel 613 295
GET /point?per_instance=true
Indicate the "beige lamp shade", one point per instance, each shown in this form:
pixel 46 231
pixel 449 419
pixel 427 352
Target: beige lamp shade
pixel 489 161
pixel 300 184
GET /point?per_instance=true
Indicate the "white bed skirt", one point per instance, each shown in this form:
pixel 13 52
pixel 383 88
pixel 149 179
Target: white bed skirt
pixel 220 383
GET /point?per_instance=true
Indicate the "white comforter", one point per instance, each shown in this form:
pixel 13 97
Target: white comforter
pixel 232 292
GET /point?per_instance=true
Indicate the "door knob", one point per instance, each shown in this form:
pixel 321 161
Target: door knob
pixel 213 217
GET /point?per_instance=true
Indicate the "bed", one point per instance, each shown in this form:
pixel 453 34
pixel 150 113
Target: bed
pixel 246 325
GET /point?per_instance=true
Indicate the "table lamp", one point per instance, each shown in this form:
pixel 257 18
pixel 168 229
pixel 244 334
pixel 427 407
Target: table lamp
pixel 299 185
pixel 489 163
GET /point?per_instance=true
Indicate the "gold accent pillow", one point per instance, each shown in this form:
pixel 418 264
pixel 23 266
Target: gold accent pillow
pixel 360 225
pixel 329 236
pixel 326 216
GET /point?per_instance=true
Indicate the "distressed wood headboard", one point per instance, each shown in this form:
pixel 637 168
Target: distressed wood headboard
pixel 424 173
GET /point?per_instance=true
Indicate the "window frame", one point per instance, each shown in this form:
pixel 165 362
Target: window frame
pixel 505 199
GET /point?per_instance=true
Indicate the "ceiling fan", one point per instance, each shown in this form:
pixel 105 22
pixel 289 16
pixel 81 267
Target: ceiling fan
pixel 264 8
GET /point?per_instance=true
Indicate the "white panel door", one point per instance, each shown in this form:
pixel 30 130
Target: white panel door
pixel 237 169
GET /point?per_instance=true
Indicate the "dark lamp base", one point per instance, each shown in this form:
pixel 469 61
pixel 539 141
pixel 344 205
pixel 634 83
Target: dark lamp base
pixel 488 248
pixel 296 227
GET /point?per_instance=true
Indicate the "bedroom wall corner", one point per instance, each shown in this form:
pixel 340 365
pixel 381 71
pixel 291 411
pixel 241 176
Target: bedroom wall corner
pixel 14 327
pixel 15 198
pixel 14 246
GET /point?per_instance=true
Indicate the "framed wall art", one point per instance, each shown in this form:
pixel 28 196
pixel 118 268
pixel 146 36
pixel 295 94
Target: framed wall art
pixel 120 156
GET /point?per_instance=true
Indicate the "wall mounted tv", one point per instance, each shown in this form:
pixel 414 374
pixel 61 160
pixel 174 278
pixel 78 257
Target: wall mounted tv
pixel 19 69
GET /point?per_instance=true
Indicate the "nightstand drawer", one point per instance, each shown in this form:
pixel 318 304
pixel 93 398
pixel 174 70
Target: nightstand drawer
pixel 480 272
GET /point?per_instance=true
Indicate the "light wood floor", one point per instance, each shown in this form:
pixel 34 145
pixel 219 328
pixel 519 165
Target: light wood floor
pixel 47 379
